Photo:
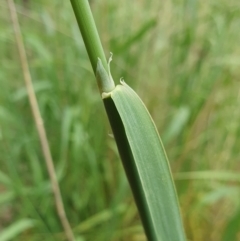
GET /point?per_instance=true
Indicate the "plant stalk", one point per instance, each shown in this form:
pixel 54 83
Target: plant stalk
pixel 89 33
pixel 39 124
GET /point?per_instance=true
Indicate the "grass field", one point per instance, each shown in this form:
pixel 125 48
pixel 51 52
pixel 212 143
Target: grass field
pixel 181 56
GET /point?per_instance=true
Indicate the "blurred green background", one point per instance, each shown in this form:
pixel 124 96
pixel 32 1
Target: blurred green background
pixel 181 56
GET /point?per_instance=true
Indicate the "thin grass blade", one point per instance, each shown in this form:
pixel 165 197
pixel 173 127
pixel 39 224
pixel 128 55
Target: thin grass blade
pixel 145 163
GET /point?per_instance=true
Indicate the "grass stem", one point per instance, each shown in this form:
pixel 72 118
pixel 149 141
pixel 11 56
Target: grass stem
pixel 39 123
pixel 89 33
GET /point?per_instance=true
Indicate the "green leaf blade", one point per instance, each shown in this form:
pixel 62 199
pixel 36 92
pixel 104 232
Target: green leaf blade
pixel 158 204
pixel 16 228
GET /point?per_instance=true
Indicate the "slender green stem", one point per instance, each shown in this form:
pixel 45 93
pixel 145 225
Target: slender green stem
pixel 89 33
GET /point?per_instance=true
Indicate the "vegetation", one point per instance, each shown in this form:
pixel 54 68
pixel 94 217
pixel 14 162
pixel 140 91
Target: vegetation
pixel 182 57
pixel 139 146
